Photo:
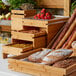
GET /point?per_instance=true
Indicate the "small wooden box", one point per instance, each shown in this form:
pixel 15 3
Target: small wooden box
pixel 23 13
pixel 17 64
pixel 35 43
pixel 16 17
pixel 10 50
pixel 26 36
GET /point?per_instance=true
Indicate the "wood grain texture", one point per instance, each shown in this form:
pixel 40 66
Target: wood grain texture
pixel 60 4
pixel 26 36
pixel 16 64
pixel 67 4
pixel 51 4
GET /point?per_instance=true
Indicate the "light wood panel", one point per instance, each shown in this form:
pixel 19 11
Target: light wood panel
pixel 63 4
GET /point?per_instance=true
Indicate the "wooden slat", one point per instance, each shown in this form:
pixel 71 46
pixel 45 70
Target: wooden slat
pixel 17 11
pixel 17 16
pixel 26 36
pixel 64 4
pixel 42 23
pixel 7 49
pixel 16 24
pixel 51 3
pixel 67 7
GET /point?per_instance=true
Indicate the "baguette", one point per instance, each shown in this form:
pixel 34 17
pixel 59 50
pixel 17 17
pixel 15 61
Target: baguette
pixel 66 43
pixel 67 34
pixel 66 27
pixel 72 39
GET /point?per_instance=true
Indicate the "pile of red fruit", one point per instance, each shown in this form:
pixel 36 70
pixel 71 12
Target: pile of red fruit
pixel 44 15
pixel 7 18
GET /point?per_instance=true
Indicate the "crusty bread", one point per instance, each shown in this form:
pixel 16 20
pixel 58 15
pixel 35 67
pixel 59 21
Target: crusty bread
pixel 65 63
pixel 38 56
pixel 56 55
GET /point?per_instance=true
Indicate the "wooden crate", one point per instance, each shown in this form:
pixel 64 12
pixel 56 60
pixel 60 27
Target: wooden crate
pixel 36 43
pixel 23 13
pixel 16 17
pixel 18 23
pixel 51 30
pixel 17 64
pixel 30 21
pixel 9 50
pixel 26 36
pixel 51 26
pixel 59 4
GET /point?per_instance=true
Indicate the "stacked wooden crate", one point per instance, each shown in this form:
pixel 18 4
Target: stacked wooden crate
pixel 47 30
pixel 16 20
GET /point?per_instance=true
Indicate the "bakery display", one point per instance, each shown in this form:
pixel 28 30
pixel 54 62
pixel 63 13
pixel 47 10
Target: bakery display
pixel 65 63
pixel 73 44
pixel 38 56
pixel 30 39
pixel 56 55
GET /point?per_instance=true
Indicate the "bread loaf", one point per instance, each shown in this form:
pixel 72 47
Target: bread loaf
pixel 38 56
pixel 56 55
pixel 65 63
